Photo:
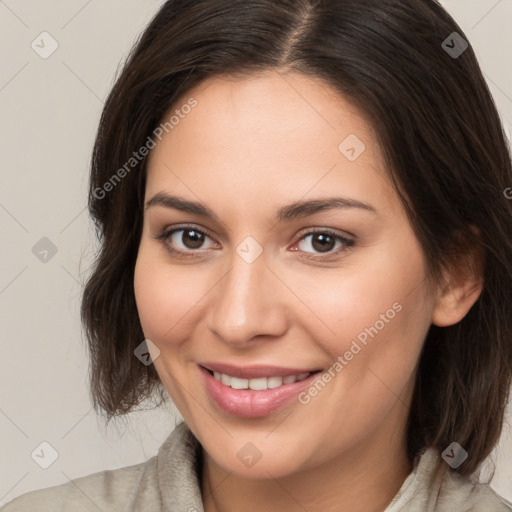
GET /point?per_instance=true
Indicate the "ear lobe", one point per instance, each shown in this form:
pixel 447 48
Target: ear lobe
pixel 464 282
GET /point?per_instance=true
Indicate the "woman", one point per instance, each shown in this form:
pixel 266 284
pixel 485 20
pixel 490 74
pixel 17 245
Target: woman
pixel 306 245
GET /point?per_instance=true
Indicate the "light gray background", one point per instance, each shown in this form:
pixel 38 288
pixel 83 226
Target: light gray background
pixel 49 113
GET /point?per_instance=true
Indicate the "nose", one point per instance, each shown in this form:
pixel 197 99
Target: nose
pixel 248 302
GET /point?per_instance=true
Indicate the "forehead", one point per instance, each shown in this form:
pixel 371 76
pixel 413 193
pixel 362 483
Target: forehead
pixel 291 105
pixel 270 137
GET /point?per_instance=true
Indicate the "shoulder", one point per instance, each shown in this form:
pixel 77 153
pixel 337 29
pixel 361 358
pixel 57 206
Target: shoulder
pixel 458 493
pixel 452 491
pixel 104 490
pixel 434 487
pixel 167 481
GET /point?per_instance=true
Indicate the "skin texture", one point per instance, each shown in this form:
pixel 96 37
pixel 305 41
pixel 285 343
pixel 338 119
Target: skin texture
pixel 250 147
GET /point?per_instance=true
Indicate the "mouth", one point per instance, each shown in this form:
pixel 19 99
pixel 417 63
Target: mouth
pixel 257 396
pixel 259 383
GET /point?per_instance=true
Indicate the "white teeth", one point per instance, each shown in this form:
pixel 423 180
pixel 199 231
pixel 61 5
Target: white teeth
pixel 274 382
pixel 256 384
pixel 237 383
pixel 260 383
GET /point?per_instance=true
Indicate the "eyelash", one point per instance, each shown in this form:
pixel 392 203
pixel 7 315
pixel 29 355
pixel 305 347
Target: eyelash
pixel 166 234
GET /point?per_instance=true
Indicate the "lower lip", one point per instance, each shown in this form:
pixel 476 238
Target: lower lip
pixel 248 403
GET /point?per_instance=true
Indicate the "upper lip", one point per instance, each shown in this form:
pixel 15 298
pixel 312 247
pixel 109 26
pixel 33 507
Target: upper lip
pixel 255 371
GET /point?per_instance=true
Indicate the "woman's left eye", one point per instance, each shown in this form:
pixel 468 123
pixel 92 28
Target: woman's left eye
pixel 325 241
pixel 192 240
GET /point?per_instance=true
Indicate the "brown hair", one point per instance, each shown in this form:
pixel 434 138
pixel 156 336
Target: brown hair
pixel 445 151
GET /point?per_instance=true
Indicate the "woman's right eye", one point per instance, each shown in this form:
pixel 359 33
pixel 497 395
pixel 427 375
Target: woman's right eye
pixel 190 238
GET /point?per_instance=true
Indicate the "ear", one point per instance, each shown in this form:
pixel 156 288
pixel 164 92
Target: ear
pixel 463 285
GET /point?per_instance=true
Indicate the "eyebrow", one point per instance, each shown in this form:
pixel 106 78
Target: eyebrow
pixel 289 212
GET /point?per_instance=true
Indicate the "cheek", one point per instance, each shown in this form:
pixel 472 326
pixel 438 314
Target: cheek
pixel 165 295
pixel 380 318
pixel 375 311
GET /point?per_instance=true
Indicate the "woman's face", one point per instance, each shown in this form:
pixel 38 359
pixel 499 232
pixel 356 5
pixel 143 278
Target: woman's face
pixel 270 284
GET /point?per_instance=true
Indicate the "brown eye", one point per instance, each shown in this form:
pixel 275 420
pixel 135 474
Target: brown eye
pixel 191 238
pixel 324 242
pixel 186 241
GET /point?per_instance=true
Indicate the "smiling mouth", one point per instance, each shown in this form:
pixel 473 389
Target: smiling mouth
pixel 254 391
pixel 259 383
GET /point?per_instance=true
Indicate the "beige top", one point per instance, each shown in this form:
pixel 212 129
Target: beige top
pixel 169 482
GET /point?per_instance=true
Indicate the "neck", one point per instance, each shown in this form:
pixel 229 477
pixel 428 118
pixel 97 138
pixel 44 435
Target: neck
pixel 364 480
